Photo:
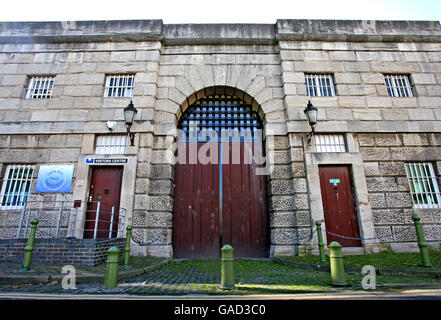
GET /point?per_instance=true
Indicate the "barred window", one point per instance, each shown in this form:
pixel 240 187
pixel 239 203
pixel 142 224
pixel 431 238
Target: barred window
pixel 329 143
pixel 423 185
pixel 119 85
pixel 16 186
pixel 40 87
pixel 319 85
pixel 398 85
pixel 111 144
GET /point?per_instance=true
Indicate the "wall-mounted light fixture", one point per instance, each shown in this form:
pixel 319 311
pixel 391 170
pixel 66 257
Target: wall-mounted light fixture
pixel 111 125
pixel 311 115
pixel 129 115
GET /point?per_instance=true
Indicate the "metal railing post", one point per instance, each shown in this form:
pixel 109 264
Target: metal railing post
pixel 27 222
pixel 23 210
pixel 96 219
pixel 321 245
pixel 422 244
pixel 111 222
pixel 74 217
pixel 29 246
pixel 59 219
pixel 127 247
pixel 123 218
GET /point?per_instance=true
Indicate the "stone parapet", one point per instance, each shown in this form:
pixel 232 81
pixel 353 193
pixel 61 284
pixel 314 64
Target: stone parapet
pixel 283 29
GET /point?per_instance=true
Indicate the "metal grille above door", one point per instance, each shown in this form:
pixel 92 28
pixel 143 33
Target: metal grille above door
pixel 226 117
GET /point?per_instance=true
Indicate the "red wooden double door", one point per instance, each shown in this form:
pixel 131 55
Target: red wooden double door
pixel 219 202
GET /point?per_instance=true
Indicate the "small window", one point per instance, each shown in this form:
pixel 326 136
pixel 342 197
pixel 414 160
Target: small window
pixel 423 185
pixel 398 86
pixel 40 87
pixel 329 143
pixel 319 85
pixel 118 86
pixel 16 186
pixel 111 144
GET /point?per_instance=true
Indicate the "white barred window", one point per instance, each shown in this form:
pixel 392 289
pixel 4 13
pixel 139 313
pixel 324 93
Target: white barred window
pixel 111 144
pixel 319 85
pixel 119 85
pixel 329 143
pixel 16 186
pixel 398 85
pixel 40 87
pixel 423 185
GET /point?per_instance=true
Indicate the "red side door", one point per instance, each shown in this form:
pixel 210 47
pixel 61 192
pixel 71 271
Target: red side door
pixel 339 205
pixel 105 187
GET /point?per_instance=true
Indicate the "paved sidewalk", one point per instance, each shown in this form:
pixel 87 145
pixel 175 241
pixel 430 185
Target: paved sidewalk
pixel 199 277
pixel 43 273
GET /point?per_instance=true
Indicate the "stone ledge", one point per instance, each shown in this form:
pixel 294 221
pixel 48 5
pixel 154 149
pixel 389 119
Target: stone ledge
pixel 175 34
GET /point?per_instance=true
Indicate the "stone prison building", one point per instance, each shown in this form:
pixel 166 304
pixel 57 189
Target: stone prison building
pixel 220 150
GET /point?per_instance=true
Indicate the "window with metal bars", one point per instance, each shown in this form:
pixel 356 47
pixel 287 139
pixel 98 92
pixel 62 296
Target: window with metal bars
pixel 16 186
pixel 119 85
pixel 220 116
pixel 329 143
pixel 423 185
pixel 398 85
pixel 40 87
pixel 111 144
pixel 319 85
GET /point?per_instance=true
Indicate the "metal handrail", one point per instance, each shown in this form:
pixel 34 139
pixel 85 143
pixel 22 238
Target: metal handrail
pixel 59 217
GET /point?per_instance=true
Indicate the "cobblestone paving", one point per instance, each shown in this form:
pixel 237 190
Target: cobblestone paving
pixel 203 277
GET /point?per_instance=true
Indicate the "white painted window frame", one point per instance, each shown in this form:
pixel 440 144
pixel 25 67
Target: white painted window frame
pixel 19 187
pixel 423 185
pixel 111 144
pixel 40 87
pixel 329 143
pixel 398 86
pixel 319 85
pixel 119 86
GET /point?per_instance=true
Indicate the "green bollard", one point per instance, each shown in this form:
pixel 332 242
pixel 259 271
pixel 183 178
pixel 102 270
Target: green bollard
pixel 127 247
pixel 421 242
pixel 227 271
pixel 111 275
pixel 337 267
pixel 320 241
pixel 29 246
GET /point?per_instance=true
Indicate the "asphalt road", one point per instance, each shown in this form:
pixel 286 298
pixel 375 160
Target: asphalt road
pixel 414 294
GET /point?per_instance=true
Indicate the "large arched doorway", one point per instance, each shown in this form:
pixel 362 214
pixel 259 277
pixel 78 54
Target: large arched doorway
pixel 220 187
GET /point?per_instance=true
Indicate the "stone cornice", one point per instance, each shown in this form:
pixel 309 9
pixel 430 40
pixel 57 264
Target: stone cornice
pixel 178 34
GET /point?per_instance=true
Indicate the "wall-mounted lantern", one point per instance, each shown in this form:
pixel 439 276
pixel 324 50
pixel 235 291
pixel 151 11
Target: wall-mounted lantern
pixel 129 116
pixel 311 115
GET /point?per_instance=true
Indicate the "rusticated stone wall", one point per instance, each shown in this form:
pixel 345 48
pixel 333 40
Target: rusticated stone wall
pixel 38 150
pixel 384 157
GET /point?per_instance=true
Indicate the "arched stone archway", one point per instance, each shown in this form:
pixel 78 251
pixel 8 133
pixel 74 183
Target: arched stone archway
pixel 220 195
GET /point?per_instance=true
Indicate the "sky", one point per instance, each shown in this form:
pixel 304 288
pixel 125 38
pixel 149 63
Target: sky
pixel 220 11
